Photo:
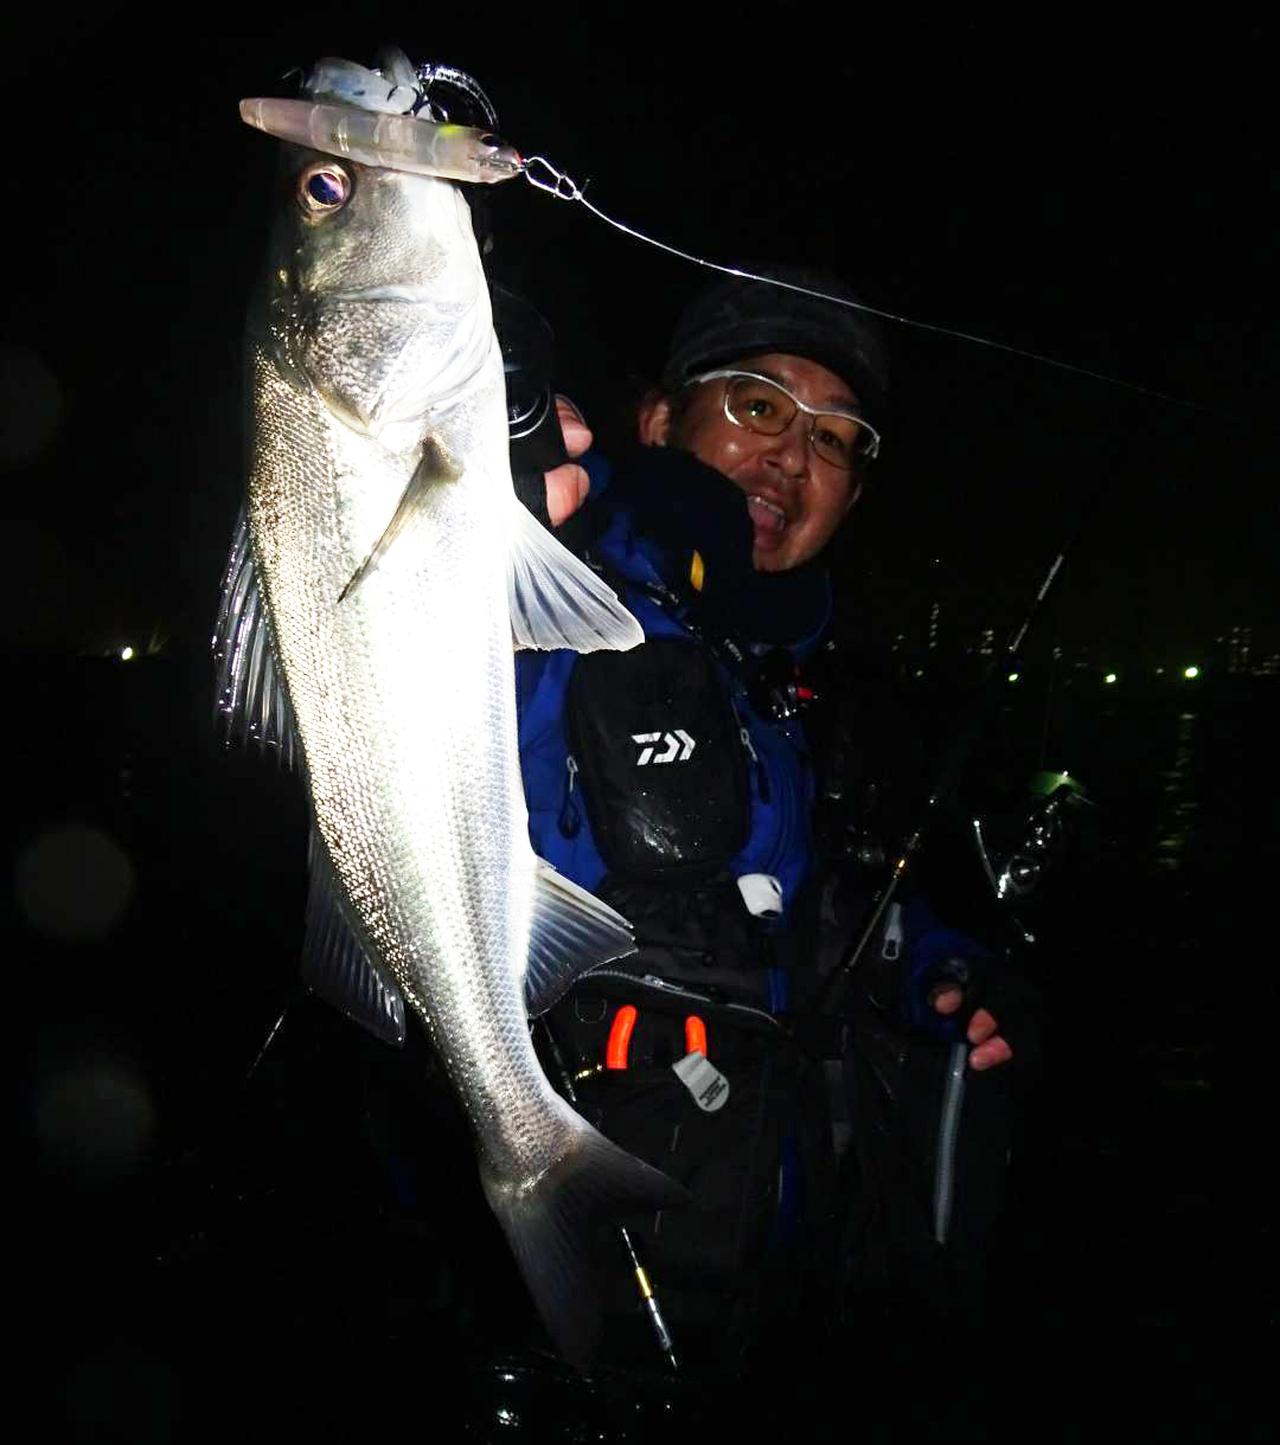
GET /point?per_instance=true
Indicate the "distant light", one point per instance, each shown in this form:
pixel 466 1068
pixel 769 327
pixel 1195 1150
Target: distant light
pixel 1014 676
pixel 1191 672
pixel 1110 677
pixel 126 654
pixel 1159 671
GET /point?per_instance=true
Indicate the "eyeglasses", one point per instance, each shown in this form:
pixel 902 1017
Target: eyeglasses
pixel 762 405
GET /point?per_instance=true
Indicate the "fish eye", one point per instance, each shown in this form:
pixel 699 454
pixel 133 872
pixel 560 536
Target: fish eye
pixel 323 188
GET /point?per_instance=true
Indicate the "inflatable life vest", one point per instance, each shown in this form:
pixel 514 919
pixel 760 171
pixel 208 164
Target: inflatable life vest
pixel 652 766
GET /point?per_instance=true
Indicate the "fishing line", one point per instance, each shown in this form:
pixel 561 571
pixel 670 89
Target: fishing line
pixel 564 188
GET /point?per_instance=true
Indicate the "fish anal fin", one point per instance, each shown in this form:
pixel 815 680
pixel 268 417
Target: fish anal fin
pixel 571 932
pixel 434 466
pixel 557 600
pixel 336 967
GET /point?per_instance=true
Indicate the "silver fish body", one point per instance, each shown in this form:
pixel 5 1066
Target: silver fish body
pixel 382 527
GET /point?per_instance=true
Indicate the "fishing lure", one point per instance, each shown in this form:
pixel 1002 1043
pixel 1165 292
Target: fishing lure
pixel 396 142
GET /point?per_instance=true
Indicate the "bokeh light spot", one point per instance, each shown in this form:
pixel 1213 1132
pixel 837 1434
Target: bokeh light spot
pixel 123 1392
pixel 73 882
pixel 30 405
pixel 94 1116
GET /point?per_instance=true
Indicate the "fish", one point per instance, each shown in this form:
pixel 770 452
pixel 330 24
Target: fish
pixel 380 574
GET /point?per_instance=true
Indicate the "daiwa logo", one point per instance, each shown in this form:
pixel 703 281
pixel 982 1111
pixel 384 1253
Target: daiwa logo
pixel 678 745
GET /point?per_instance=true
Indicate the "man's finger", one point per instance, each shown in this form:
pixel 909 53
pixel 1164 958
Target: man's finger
pixel 947 998
pixel 567 488
pixel 981 1026
pixel 576 433
pixel 995 1051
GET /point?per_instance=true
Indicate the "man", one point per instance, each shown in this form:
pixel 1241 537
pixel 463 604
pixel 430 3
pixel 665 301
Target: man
pixel 677 782
pixel 796 497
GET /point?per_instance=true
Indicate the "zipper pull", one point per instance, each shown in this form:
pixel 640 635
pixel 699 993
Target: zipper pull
pixel 893 933
pixel 762 777
pixel 570 820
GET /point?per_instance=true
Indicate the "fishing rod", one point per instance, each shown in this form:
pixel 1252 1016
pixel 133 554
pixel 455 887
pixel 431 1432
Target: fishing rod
pixel 954 761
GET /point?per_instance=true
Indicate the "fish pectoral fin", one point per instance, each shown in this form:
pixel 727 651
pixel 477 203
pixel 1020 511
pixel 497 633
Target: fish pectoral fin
pixel 251 703
pixel 434 466
pixel 336 967
pixel 551 1222
pixel 571 933
pixel 557 600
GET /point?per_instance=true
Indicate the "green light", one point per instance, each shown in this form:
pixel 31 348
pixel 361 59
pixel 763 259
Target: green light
pixel 1014 676
pixel 1110 677
pixel 1043 785
pixel 1191 672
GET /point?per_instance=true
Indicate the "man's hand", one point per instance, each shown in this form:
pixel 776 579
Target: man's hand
pixel 567 484
pixel 983 1030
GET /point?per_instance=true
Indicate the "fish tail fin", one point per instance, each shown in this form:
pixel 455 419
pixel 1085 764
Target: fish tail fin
pixel 550 1222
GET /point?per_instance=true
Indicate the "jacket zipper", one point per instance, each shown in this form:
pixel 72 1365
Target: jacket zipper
pixel 652 981
pixel 762 777
pixel 891 947
pixel 570 820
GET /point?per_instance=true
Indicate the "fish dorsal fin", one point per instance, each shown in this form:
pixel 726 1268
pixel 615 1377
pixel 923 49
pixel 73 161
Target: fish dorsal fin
pixel 435 465
pixel 557 600
pixel 251 703
pixel 571 933
pixel 336 967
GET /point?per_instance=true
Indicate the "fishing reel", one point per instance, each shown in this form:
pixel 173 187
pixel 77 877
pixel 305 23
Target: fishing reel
pixel 526 341
pixel 528 360
pixel 451 96
pixel 1024 854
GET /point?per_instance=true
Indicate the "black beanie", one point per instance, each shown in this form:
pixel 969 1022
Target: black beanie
pixel 734 318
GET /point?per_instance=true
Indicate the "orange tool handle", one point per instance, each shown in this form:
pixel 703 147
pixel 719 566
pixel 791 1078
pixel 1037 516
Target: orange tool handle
pixel 695 1036
pixel 624 1022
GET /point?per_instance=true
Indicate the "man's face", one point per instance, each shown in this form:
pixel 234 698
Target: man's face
pixel 794 498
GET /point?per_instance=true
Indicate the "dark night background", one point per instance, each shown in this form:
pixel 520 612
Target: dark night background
pixel 1096 193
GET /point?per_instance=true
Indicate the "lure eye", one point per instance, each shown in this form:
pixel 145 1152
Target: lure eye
pixel 491 141
pixel 323 189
